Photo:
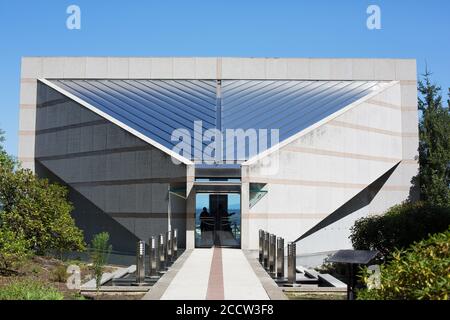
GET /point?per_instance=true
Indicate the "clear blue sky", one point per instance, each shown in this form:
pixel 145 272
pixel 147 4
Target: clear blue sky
pixel 248 28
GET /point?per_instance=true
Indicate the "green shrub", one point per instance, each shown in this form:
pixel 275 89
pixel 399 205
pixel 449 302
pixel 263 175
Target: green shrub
pixel 421 272
pixel 399 227
pixel 29 290
pixel 100 250
pixel 13 250
pixel 39 210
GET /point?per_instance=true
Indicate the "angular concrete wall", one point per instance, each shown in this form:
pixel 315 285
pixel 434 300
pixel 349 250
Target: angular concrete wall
pixel 122 176
pixel 322 170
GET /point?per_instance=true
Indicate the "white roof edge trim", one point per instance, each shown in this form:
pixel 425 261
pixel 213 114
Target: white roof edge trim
pixel 117 122
pixel 383 87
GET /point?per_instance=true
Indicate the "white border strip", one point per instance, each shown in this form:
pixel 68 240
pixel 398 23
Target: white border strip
pixel 319 123
pixel 117 122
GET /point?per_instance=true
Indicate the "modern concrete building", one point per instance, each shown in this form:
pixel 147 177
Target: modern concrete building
pixel 344 145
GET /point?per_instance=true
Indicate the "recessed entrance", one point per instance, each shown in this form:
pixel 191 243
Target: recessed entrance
pixel 218 220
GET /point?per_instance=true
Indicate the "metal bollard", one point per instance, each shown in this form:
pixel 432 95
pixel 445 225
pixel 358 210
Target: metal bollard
pixel 140 262
pixel 272 253
pixel 261 246
pixel 161 253
pixel 153 257
pixel 174 244
pixel 169 246
pixel 266 250
pixel 292 263
pixel 280 257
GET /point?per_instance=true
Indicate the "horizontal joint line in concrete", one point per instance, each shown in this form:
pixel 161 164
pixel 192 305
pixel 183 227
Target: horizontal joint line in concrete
pixel 396 188
pixel 26 106
pixel 339 154
pixel 28 80
pixel 408 82
pixel 392 106
pixel 72 126
pixel 26 132
pixel 384 104
pixel 275 216
pixel 51 103
pixel 147 215
pixel 309 183
pixel 410 161
pixel 343 124
pixel 410 109
pixel 95 153
pixel 127 182
pixel 410 135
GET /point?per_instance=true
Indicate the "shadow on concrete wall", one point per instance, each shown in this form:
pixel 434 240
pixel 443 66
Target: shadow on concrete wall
pixel 362 199
pixel 92 220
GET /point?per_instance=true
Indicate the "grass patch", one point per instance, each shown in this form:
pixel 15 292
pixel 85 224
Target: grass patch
pixel 316 296
pixel 28 289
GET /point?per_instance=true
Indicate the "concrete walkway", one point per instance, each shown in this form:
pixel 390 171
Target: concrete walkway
pixel 215 274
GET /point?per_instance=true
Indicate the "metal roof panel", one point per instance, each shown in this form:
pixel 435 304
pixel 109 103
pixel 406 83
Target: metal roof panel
pixel 155 108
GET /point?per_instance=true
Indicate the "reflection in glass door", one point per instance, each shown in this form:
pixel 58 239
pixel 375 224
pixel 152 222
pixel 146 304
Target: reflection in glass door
pixel 218 220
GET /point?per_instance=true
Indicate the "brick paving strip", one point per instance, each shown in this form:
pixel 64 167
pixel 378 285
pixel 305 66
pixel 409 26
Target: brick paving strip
pixel 215 283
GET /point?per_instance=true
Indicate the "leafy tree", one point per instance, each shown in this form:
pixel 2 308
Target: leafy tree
pixel 418 273
pixel 34 212
pixel 434 146
pixel 6 161
pixel 100 250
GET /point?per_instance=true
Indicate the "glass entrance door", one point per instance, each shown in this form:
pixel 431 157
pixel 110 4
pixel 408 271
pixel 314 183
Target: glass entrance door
pixel 218 220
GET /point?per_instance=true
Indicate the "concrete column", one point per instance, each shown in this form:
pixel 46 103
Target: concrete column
pixel 190 207
pixel 245 189
pixel 190 221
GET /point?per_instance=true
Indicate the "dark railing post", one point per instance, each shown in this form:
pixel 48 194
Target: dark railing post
pixel 140 262
pixel 261 246
pixel 169 247
pixel 174 244
pixel 266 250
pixel 272 253
pixel 280 257
pixel 292 263
pixel 152 257
pixel 161 253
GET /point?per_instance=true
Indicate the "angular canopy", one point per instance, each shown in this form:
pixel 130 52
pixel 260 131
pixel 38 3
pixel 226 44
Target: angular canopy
pixel 155 108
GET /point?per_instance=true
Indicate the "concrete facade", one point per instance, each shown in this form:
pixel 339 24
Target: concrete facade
pixel 322 168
